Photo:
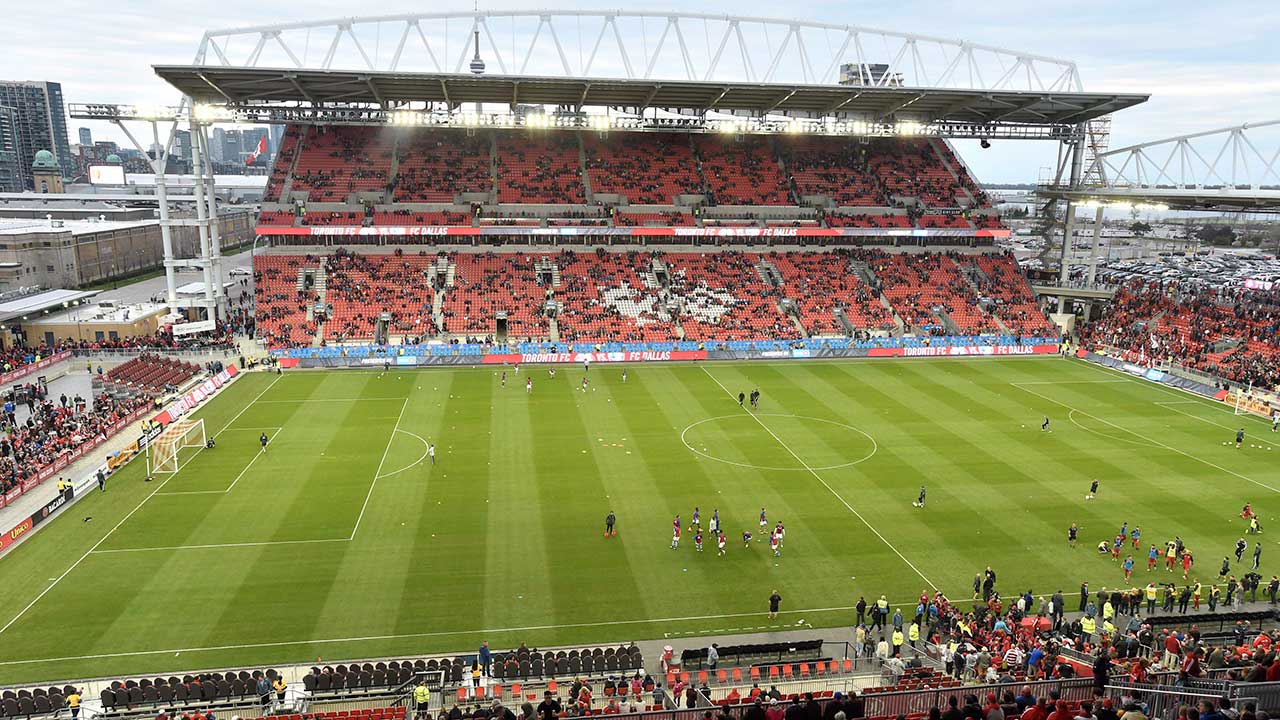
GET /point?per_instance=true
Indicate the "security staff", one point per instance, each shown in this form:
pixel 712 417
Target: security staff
pixel 422 698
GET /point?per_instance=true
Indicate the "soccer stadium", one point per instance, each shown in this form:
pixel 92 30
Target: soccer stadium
pixel 697 377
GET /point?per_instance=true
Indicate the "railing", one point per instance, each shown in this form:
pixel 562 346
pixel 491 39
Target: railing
pixel 1164 704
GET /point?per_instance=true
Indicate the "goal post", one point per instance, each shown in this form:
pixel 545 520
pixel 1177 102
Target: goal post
pixel 162 453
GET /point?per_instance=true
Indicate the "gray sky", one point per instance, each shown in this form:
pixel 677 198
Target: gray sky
pixel 1205 64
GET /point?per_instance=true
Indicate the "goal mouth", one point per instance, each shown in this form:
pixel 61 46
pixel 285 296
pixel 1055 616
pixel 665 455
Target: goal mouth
pixel 162 453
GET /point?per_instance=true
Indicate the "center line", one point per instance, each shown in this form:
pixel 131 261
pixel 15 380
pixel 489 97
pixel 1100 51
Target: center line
pixel 824 483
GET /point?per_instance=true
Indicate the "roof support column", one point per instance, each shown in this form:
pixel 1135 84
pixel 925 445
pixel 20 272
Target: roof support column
pixel 1077 171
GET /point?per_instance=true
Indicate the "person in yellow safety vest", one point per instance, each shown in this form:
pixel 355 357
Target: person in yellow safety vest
pixel 897 641
pixel 73 702
pixel 913 633
pixel 1087 626
pixel 1108 628
pixel 1108 611
pixel 422 698
pixel 1151 598
pixel 279 686
pixel 63 485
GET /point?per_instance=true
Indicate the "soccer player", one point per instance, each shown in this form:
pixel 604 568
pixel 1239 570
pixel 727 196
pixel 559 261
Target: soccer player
pixel 1093 490
pixel 551 373
pixel 675 537
pixel 746 538
pixel 1153 556
pixel 714 526
pixel 920 500
pixel 775 544
pixel 775 600
pixel 1128 568
pixel 1226 568
pixel 1044 426
pixel 1115 547
pixel 609 521
pixel 528 385
pixel 755 398
pixel 1239 438
pixel 1187 562
pixel 1275 420
pixel 1257 555
pixel 624 376
pixel 1072 533
pixel 1241 546
pixel 676 522
pixel 1171 557
pixel 431 452
pixel 764 523
pixel 1135 535
pixel 697 518
pixel 264 440
pixel 697 540
pixel 741 399
pixel 720 543
pixel 1247 511
pixel 504 378
pixel 781 532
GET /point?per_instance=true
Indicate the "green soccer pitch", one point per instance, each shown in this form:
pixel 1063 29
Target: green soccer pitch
pixel 344 541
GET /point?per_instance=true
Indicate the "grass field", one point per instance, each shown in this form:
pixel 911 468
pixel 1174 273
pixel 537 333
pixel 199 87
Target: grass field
pixel 343 541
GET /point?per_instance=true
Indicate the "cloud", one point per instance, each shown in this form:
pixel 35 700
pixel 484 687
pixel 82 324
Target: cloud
pixel 1206 64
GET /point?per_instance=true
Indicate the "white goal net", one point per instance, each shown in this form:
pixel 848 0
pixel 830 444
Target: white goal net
pixel 162 453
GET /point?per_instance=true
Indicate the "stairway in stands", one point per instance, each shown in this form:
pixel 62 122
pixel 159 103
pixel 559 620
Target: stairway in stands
pixel 320 286
pixel 287 187
pixel 939 147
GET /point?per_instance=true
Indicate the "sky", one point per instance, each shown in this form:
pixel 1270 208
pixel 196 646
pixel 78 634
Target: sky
pixel 1206 65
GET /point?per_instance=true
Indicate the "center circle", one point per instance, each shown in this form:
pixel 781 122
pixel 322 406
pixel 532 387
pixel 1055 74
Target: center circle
pixel 696 437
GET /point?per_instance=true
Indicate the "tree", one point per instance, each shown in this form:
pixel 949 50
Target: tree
pixel 1139 228
pixel 1216 234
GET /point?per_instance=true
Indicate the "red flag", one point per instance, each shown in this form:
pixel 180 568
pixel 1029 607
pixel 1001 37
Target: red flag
pixel 262 148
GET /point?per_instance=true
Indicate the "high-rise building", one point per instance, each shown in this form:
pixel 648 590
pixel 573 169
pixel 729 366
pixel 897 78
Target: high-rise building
pixel 181 145
pixel 231 147
pixel 277 136
pixel 216 137
pixel 249 139
pixel 40 124
pixel 86 137
pixel 10 177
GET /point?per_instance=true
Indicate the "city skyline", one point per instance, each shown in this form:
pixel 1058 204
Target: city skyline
pixel 1177 51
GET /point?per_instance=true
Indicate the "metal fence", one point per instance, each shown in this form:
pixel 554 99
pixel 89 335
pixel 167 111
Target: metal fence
pixel 1164 703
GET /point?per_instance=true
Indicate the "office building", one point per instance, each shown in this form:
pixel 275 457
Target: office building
pixel 40 124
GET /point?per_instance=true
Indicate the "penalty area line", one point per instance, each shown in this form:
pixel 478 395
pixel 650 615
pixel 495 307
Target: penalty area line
pixel 136 508
pixel 1155 443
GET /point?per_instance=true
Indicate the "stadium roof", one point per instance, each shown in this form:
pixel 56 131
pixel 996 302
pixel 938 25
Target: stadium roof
pixel 41 301
pixel 239 85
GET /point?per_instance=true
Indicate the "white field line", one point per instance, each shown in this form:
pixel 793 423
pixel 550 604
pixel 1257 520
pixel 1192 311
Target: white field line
pixel 220 545
pixel 378 473
pixel 138 507
pixel 1185 396
pixel 248 465
pixel 1170 448
pixel 426 449
pixel 1169 406
pixel 406 636
pixel 958 598
pixel 328 400
pixel 830 489
pixel 261 451
pixel 1071 382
